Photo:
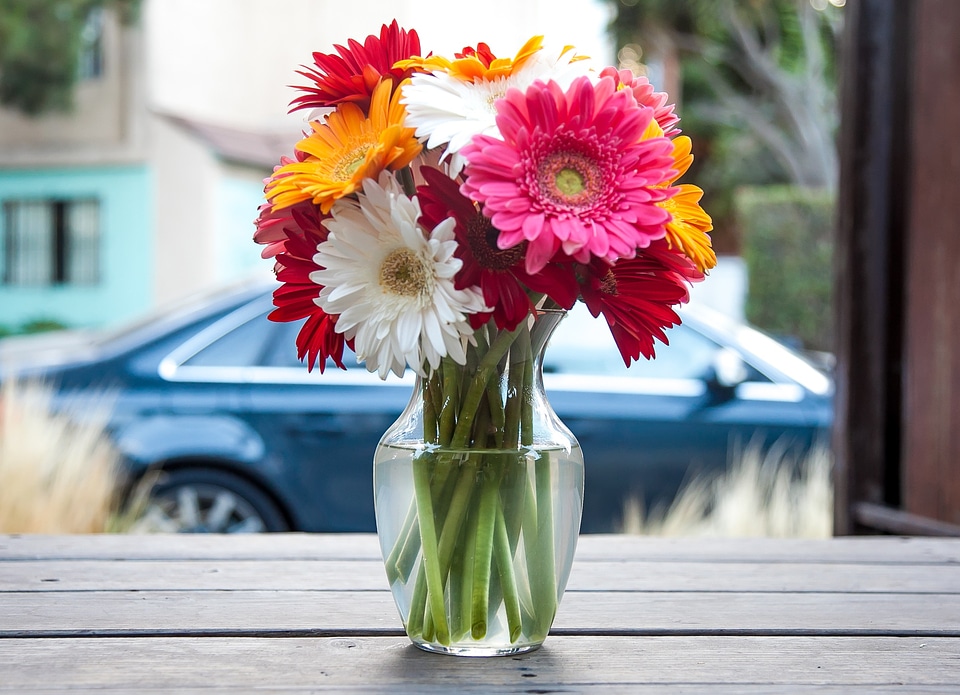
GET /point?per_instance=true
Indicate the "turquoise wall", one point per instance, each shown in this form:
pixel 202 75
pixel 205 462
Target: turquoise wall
pixel 126 247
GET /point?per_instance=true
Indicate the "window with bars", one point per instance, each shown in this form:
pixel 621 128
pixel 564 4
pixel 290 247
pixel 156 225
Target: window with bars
pixel 50 242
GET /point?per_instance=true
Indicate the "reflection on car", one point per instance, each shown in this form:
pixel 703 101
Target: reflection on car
pixel 213 395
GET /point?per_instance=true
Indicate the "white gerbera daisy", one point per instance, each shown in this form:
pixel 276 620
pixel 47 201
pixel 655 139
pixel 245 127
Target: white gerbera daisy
pixel 391 283
pixel 449 111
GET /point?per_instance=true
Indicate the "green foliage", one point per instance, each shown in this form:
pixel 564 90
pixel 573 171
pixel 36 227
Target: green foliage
pixel 788 234
pixel 33 326
pixel 40 45
pixel 42 326
pixel 757 90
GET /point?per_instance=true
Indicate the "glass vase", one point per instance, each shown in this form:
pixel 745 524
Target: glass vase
pixel 478 492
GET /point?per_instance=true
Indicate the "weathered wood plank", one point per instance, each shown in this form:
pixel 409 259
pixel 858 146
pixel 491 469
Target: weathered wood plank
pixel 373 612
pixel 369 575
pixel 527 689
pixel 393 665
pixel 298 546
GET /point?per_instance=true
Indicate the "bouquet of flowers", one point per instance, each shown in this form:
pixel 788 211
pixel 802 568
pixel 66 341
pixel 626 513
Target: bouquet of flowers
pixel 433 209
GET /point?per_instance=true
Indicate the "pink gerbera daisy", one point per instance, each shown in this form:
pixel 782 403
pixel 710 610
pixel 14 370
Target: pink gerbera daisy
pixel 646 95
pixel 573 172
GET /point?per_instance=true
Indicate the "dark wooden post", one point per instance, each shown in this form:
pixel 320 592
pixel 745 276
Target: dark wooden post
pixel 896 438
pixel 931 433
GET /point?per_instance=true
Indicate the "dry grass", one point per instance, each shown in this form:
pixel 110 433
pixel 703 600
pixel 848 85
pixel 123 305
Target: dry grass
pixel 58 474
pixel 761 495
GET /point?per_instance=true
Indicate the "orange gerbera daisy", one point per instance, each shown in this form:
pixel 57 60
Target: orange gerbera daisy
pixel 343 150
pixel 689 223
pixel 475 64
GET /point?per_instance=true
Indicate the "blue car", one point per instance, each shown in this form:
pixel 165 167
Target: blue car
pixel 212 395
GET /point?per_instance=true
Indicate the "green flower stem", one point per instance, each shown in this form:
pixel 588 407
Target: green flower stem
pixel 478 385
pixel 449 407
pixel 483 554
pixel 513 498
pixel 508 580
pixel 399 562
pixel 404 555
pixel 405 177
pixel 544 581
pixel 471 507
pixel 429 630
pixel 443 551
pixel 407 544
pixel 428 540
pixel 417 602
pixel 525 365
pixel 461 624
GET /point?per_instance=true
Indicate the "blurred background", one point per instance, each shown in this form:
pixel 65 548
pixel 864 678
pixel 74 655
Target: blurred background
pixel 135 136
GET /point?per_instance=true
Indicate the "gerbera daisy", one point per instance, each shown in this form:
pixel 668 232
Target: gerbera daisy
pixel 646 95
pixel 689 223
pixel 391 284
pixel 499 273
pixel 573 172
pixel 636 297
pixel 345 149
pixel 475 64
pixel 273 224
pixel 353 75
pixel 296 297
pixel 457 99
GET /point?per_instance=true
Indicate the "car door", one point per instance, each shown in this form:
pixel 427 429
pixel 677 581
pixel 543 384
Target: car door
pixel 646 430
pixel 321 430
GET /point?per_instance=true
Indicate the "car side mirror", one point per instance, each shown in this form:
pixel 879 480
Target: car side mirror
pixel 726 372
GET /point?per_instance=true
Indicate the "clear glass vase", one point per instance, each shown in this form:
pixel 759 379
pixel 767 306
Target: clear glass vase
pixel 479 491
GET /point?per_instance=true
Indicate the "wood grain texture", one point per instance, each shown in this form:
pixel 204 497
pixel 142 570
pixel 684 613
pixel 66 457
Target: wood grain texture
pixel 300 613
pixel 369 575
pixel 391 664
pixel 931 438
pixel 372 612
pixel 299 546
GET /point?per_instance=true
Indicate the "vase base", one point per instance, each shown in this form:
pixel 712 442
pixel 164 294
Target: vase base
pixel 478 650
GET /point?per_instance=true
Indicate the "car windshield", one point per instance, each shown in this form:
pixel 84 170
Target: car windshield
pixel 583 344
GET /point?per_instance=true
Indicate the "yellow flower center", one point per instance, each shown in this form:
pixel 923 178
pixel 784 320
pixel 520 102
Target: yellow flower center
pixel 349 162
pixel 569 182
pixel 403 273
pixel 570 178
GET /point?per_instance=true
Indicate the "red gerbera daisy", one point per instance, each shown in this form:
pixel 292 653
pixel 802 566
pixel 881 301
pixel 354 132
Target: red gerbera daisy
pixel 270 221
pixel 352 75
pixel 636 296
pixel 272 225
pixel 292 235
pixel 499 273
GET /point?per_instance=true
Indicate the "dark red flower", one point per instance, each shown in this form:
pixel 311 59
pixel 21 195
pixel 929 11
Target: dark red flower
pixel 636 296
pixel 292 235
pixel 498 272
pixel 352 75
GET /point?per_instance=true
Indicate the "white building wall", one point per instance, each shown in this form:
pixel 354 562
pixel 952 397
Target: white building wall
pixel 186 176
pixel 230 61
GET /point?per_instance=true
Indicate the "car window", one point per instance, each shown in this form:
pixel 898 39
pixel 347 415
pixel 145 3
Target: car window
pixel 282 348
pixel 591 350
pixel 240 347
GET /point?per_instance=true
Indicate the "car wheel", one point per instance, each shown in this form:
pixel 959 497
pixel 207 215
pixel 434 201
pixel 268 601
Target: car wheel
pixel 208 501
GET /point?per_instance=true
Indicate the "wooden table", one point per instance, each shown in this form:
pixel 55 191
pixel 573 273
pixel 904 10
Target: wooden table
pixel 302 613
